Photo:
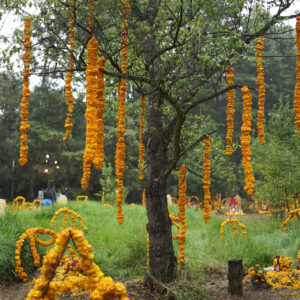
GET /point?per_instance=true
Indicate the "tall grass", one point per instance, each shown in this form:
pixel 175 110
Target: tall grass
pixel 120 251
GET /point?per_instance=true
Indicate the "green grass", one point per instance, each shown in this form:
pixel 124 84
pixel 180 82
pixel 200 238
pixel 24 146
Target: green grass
pixel 120 251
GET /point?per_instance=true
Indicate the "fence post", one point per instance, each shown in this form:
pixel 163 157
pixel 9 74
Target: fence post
pixel 235 276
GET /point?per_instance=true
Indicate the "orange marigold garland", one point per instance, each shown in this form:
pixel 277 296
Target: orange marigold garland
pixel 98 159
pixel 142 147
pixel 181 214
pixel 120 151
pixel 144 198
pixel 24 126
pixel 206 180
pixel 245 140
pixel 68 86
pixel 297 87
pixel 91 110
pixel 91 7
pixel 230 111
pixel 261 90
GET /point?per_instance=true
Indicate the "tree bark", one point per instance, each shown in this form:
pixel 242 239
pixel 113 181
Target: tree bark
pixel 161 253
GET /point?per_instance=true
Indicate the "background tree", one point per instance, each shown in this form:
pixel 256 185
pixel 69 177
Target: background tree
pixel 176 49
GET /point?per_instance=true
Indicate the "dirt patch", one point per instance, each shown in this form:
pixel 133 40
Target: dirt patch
pixel 216 286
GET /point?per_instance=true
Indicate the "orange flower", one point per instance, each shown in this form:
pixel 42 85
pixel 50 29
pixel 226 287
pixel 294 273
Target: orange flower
pixel 245 140
pixel 120 151
pixel 91 110
pixel 98 159
pixel 68 86
pixel 144 198
pixel 297 87
pixel 206 180
pixel 142 147
pixel 91 8
pixel 26 92
pixel 230 111
pixel 181 214
pixel 261 90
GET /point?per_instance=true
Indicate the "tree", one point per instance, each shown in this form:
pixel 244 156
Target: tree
pixel 177 47
pixel 276 164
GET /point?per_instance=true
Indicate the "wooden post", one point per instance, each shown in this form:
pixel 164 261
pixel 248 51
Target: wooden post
pixel 235 276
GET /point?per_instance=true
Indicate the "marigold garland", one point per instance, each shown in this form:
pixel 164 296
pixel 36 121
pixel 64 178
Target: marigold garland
pixel 91 8
pixel 261 90
pixel 100 287
pixel 24 125
pixel 245 140
pixel 181 214
pixel 91 110
pixel 144 198
pixel 292 213
pixel 206 180
pixel 297 87
pixel 233 224
pixel 98 159
pixel 68 86
pixel 142 147
pixel 15 204
pixel 83 197
pixel 30 233
pixel 120 151
pixel 74 216
pixel 36 201
pixel 230 111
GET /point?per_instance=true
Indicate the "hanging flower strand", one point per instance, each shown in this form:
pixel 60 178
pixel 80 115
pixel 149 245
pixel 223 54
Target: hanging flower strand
pixel 230 111
pixel 297 87
pixel 91 7
pixel 68 86
pixel 24 126
pixel 98 159
pixel 181 213
pixel 91 110
pixel 261 90
pixel 120 151
pixel 142 147
pixel 206 180
pixel 245 140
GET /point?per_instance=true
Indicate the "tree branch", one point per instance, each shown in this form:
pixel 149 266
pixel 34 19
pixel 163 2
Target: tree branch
pixel 196 142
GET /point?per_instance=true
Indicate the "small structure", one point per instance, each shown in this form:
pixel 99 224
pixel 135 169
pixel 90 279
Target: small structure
pixel 2 207
pixel 62 200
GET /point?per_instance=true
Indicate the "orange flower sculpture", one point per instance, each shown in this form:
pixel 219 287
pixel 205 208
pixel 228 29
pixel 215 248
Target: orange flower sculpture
pixel 120 151
pixel 68 86
pixel 230 111
pixel 206 180
pixel 181 214
pixel 142 147
pixel 98 158
pixel 91 110
pixel 246 139
pixel 261 91
pixel 297 87
pixel 24 126
pixel 30 234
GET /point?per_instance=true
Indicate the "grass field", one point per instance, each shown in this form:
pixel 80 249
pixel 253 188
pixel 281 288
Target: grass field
pixel 120 251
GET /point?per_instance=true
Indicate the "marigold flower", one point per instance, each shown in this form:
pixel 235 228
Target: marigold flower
pixel 206 181
pixel 245 141
pixel 297 87
pixel 24 125
pixel 230 111
pixel 120 151
pixel 261 90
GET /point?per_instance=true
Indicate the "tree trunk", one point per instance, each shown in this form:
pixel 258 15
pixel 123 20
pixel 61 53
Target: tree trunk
pixel 161 253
